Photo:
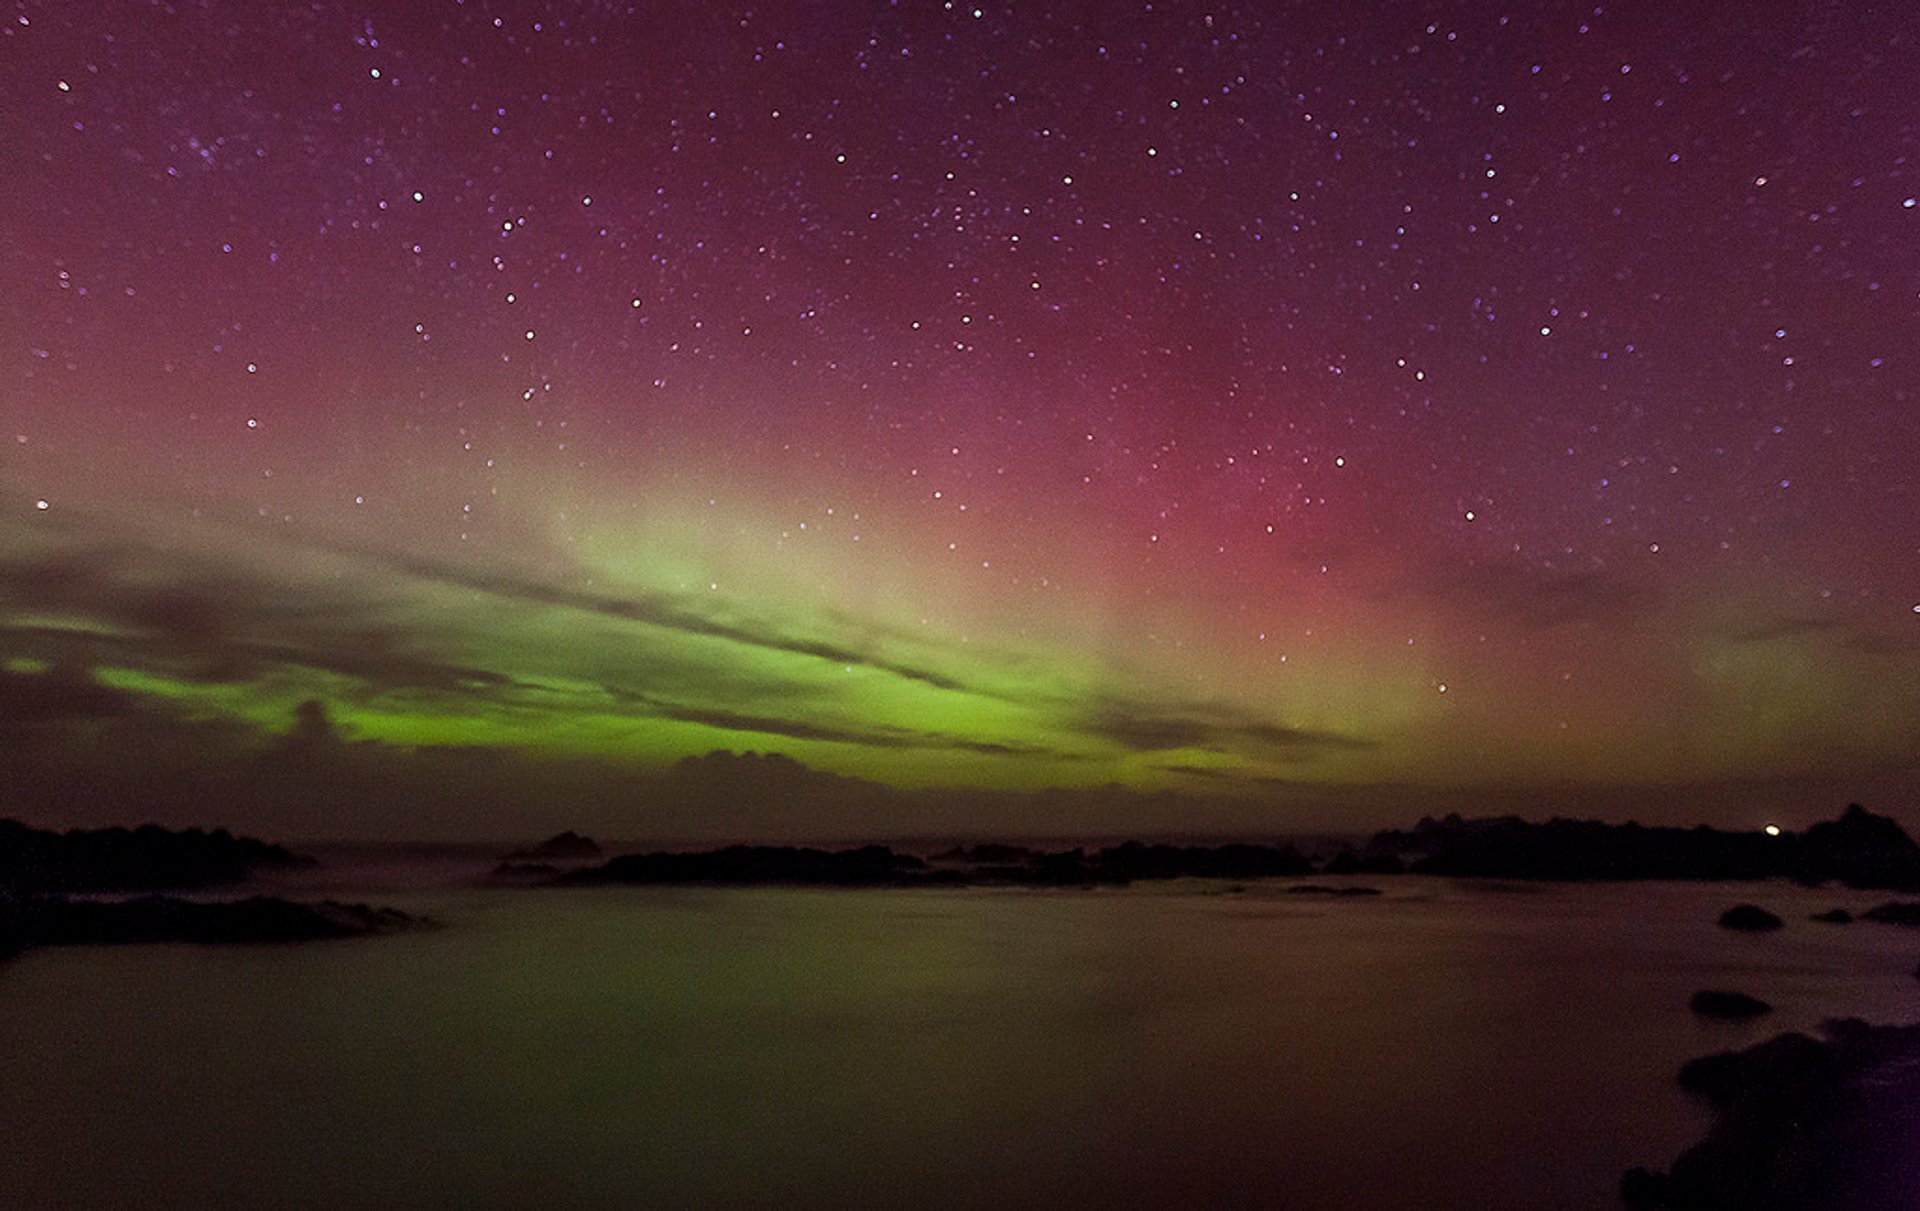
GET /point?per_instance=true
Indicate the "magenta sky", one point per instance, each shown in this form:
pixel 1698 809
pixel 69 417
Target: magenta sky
pixel 1261 400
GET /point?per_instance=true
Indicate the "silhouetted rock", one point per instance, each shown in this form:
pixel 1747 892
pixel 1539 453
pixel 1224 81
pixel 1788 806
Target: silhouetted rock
pixel 1643 1188
pixel 988 854
pixel 1729 1006
pixel 878 866
pixel 1833 916
pixel 149 858
pixel 56 921
pixel 563 847
pixel 1859 848
pixel 1320 889
pixel 1749 918
pixel 1803 1125
pixel 1894 912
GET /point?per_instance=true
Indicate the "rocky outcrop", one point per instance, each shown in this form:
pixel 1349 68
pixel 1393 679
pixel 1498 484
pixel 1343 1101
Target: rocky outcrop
pixel 37 861
pixel 1727 1006
pixel 59 921
pixel 1749 918
pixel 1894 912
pixel 568 846
pixel 1859 849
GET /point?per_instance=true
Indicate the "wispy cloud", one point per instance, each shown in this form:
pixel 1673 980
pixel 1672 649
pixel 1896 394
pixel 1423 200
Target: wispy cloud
pixel 1143 728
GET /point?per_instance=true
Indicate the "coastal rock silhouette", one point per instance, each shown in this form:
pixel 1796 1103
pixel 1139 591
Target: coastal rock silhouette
pixel 1859 848
pixel 57 921
pixel 1749 918
pixel 1727 1006
pixel 1894 912
pixel 37 861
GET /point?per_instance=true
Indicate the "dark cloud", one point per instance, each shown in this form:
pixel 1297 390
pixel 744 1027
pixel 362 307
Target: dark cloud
pixel 1534 596
pixel 881 737
pixel 1144 729
pixel 766 725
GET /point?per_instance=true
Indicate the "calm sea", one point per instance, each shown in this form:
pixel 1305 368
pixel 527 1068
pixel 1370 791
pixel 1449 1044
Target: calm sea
pixel 1451 1045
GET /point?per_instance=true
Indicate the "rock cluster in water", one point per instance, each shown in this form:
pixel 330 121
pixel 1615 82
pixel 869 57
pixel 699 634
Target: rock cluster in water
pixel 49 882
pixel 59 921
pixel 879 866
pixel 37 861
pixel 1860 849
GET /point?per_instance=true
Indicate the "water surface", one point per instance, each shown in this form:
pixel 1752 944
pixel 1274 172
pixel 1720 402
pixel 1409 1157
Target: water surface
pixel 1447 1045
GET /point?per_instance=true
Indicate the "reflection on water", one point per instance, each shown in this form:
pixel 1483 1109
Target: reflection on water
pixel 1448 1045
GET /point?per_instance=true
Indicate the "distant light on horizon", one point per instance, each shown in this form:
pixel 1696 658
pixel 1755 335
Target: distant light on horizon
pixel 1772 830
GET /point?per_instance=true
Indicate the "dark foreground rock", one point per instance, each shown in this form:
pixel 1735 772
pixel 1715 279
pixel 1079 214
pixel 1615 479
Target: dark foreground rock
pixel 1727 1006
pixel 55 921
pixel 36 861
pixel 1803 1124
pixel 1749 918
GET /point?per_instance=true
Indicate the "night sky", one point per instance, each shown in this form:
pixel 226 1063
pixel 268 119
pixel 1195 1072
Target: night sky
pixel 1272 403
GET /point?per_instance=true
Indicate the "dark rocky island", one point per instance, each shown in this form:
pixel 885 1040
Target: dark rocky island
pixel 879 866
pixel 57 921
pixel 1803 1124
pixel 48 879
pixel 568 846
pixel 1894 912
pixel 1749 918
pixel 1860 849
pixel 37 861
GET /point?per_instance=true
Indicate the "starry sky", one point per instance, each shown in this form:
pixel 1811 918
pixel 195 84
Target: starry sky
pixel 1265 403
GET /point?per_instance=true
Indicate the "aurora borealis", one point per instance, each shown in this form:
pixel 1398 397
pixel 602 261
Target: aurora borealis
pixel 1269 403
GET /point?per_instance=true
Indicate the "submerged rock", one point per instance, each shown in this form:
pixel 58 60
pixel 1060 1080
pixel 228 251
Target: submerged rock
pixel 1894 912
pixel 1749 918
pixel 56 921
pixel 1728 1006
pixel 1833 916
